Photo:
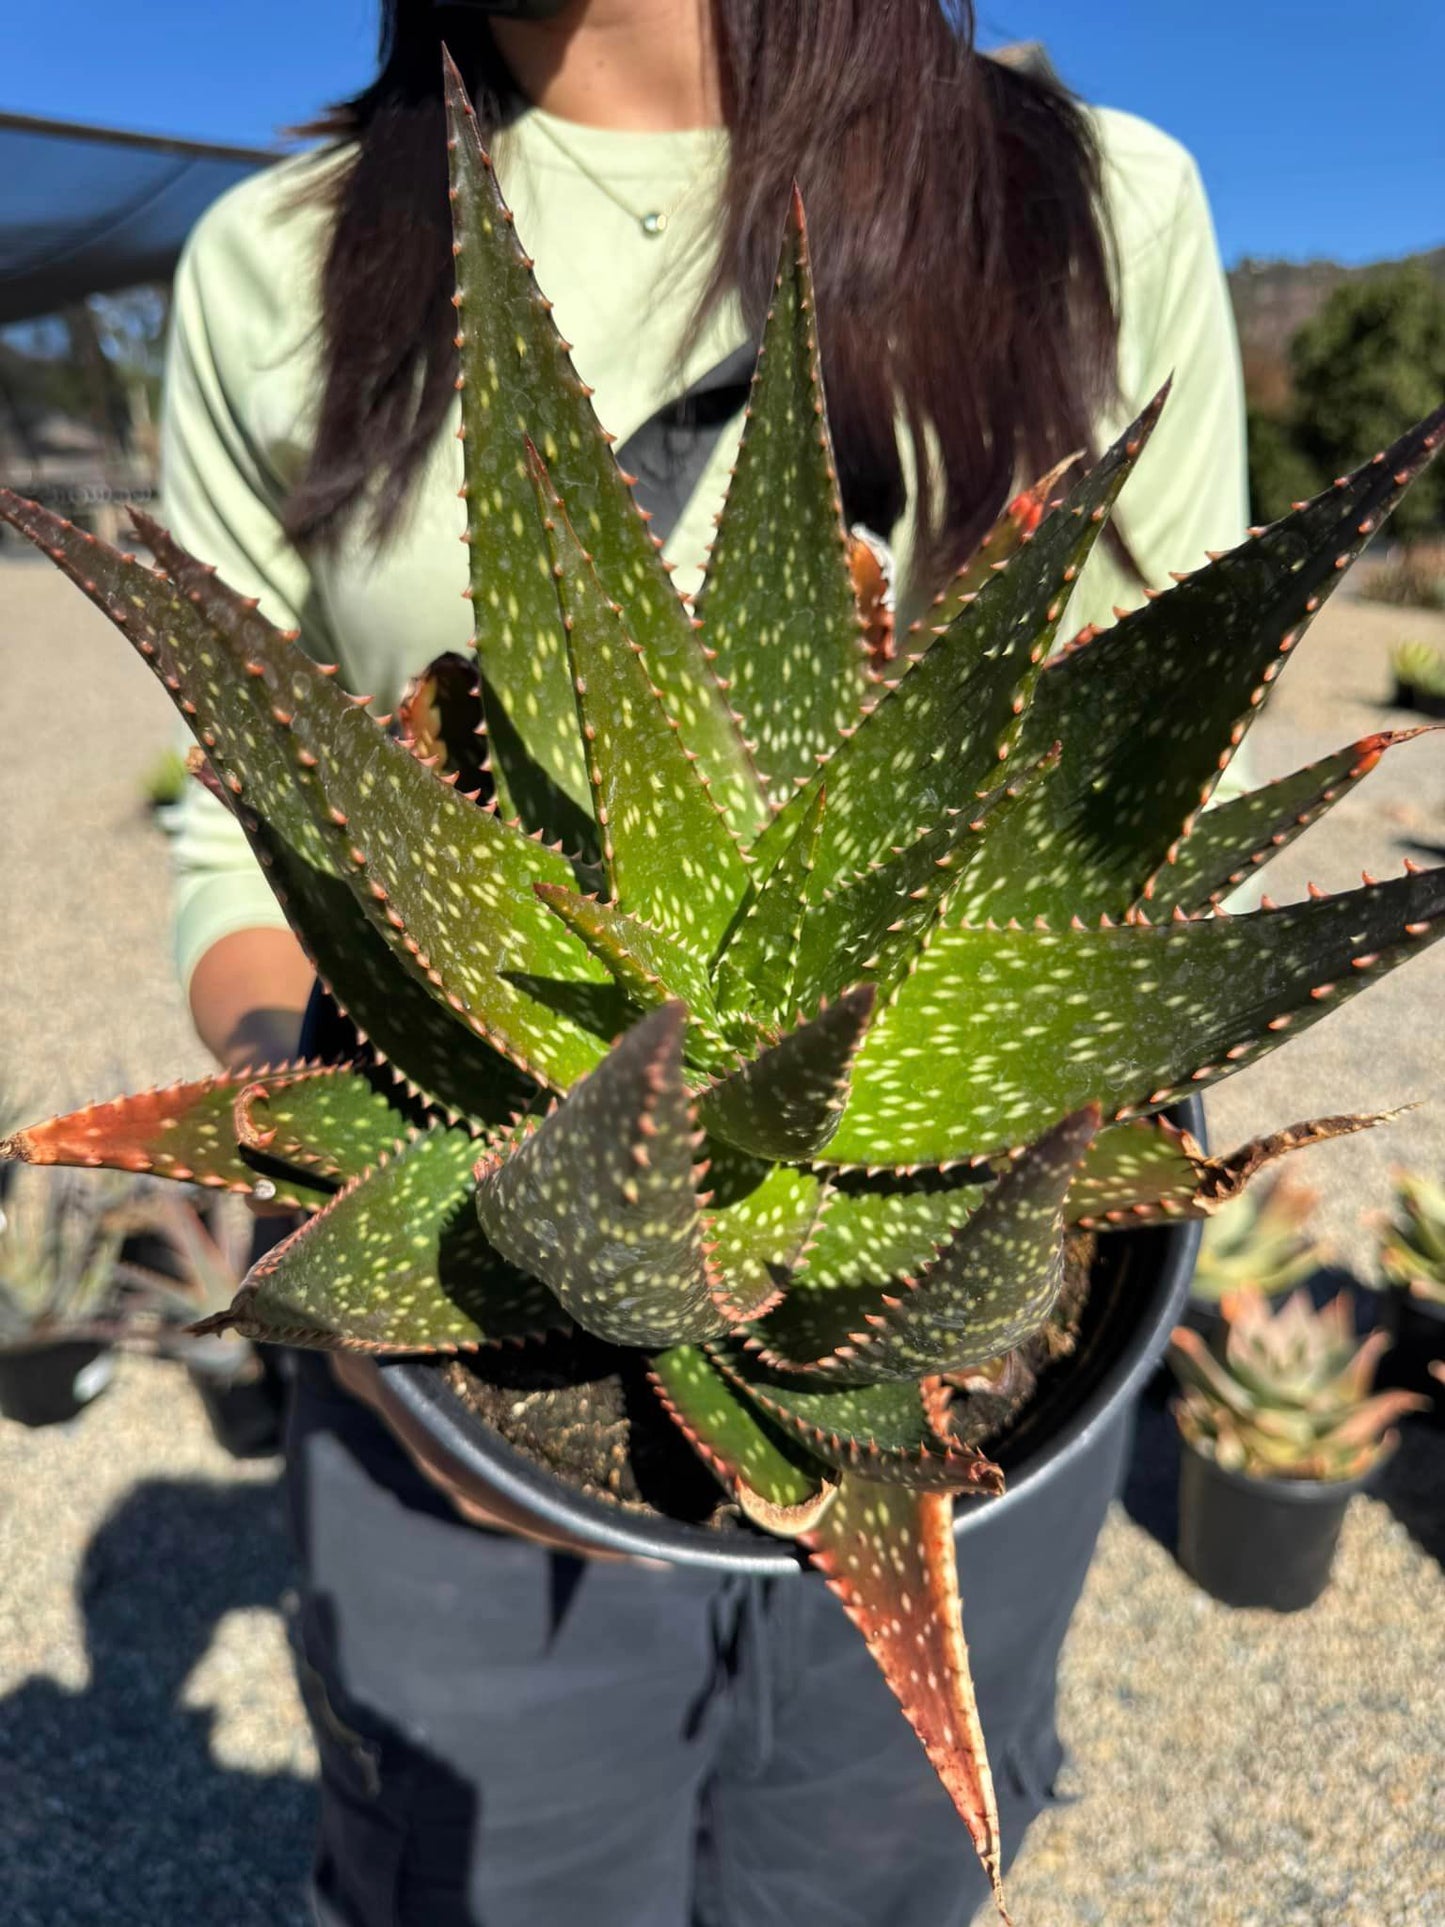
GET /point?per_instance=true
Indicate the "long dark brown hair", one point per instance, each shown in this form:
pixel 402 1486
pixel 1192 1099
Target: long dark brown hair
pixel 958 239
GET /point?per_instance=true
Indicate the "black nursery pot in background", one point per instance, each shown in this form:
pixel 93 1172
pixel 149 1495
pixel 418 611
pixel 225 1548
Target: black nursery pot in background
pixel 48 1384
pixel 1259 1542
pixel 1417 1329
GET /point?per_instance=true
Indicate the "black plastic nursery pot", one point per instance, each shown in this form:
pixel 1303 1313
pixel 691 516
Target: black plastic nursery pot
pixel 48 1384
pixel 1259 1542
pixel 1138 1290
pixel 1417 1332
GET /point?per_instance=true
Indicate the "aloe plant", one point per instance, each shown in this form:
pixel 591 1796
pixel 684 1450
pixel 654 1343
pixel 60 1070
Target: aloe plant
pixel 1412 1251
pixel 1290 1398
pixel 755 994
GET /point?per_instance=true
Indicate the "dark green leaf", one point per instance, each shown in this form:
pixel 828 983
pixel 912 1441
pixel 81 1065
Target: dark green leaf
pixel 230 714
pixel 649 964
pixel 777 607
pixel 1149 711
pixel 785 1103
pixel 331 1120
pixel 447 885
pixel 989 1288
pixel 778 1484
pixel 871 1233
pixel 670 856
pixel 1013 527
pixel 877 926
pixel 600 1199
pixel 1000 1031
pixel 758 1238
pixel 937 738
pixel 1237 837
pixel 396 1263
pixel 759 957
pixel 881 1430
pixel 518 381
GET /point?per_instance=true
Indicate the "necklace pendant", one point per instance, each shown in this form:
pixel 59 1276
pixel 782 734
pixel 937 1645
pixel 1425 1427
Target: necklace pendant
pixel 654 224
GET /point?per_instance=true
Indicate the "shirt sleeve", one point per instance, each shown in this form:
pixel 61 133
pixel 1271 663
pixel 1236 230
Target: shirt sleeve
pixel 1189 494
pixel 221 502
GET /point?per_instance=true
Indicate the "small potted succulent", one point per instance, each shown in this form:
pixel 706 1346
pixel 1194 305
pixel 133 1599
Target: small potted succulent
pixel 188 1263
pixel 60 1239
pixel 1257 1242
pixel 1279 1433
pixel 759 1017
pixel 1412 1258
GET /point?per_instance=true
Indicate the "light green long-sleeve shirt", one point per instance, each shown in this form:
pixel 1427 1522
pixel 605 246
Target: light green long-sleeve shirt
pixel 243 382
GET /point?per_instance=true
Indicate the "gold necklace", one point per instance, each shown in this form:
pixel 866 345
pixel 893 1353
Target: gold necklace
pixel 653 222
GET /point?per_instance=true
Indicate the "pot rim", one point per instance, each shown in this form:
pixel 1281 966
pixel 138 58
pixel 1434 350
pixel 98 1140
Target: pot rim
pixel 427 1397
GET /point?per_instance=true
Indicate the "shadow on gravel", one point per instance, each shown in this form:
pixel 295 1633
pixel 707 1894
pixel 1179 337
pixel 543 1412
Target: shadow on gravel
pixel 1412 1485
pixel 1151 1477
pixel 114 1809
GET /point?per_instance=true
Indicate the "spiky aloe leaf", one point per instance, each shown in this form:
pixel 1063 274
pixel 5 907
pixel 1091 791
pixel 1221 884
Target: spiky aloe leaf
pixel 758 961
pixel 937 737
pixel 777 1484
pixel 868 1234
pixel 669 853
pixel 651 966
pixel 177 634
pixel 1014 526
pixel 786 1102
pixel 448 886
pixel 985 1046
pixel 994 1282
pixel 184 1131
pixel 777 606
pixel 884 1430
pixel 1150 1170
pixel 396 1263
pixel 600 1202
pixel 877 925
pixel 517 380
pixel 888 1554
pixel 1228 842
pixel 757 1233
pixel 416 1038
pixel 1149 711
pixel 328 1119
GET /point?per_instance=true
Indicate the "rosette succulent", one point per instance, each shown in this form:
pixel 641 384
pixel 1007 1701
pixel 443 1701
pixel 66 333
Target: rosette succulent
pixel 1259 1243
pixel 1290 1398
pixel 1412 1249
pixel 748 986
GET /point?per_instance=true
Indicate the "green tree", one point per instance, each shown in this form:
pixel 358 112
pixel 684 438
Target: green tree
pixel 1369 363
pixel 1280 472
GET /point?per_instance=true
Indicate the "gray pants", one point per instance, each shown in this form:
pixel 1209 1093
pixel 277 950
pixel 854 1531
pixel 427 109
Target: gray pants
pixel 511 1737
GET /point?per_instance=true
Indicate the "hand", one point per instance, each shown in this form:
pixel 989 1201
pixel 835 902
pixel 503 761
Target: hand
pixel 477 1501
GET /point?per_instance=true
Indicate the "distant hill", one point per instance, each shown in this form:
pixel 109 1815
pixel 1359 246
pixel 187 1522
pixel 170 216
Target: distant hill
pixel 1272 299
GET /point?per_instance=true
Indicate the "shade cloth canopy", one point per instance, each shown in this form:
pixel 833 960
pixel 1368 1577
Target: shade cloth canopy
pixel 85 210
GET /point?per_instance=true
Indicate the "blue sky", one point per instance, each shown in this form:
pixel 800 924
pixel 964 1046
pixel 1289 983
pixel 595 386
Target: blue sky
pixel 1318 127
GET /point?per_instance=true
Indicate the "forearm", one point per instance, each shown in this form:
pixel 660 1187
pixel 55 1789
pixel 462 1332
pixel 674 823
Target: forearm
pixel 248 995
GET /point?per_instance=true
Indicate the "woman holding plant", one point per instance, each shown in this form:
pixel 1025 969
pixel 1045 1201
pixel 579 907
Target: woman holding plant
pixel 510 1734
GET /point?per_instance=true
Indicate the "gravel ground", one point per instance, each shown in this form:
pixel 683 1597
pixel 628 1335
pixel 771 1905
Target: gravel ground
pixel 1231 1769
